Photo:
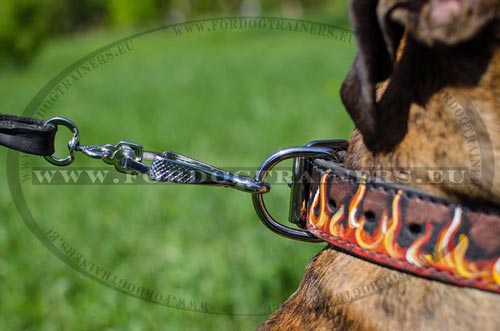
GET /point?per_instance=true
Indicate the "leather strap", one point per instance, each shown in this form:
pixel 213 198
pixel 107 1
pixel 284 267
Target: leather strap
pixel 403 228
pixel 27 135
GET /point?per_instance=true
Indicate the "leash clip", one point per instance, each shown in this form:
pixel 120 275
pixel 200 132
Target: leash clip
pixel 167 167
pixel 170 167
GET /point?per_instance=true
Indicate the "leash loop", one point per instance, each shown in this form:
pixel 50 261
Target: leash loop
pixel 262 173
pixel 72 144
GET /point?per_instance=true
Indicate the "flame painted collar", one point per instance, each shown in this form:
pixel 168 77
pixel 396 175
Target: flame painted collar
pixel 385 223
pixel 399 227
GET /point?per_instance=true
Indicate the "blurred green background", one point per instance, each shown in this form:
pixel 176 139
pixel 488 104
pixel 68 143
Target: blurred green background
pixel 227 97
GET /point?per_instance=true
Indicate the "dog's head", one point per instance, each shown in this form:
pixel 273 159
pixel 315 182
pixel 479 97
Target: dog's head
pixel 380 25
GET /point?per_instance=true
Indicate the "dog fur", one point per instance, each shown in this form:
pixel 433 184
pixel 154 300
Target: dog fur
pixel 421 65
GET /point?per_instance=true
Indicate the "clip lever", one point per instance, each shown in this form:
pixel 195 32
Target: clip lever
pixel 176 168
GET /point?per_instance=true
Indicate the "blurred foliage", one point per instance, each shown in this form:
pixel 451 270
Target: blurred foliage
pixel 26 24
pixel 130 11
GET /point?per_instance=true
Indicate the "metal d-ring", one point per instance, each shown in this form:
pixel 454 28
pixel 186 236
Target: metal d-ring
pixel 258 199
pixel 72 144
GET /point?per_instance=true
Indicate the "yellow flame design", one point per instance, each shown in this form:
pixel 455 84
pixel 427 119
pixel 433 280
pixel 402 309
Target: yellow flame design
pixel 447 254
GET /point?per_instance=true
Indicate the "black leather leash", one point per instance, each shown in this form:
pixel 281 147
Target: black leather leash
pixel 27 135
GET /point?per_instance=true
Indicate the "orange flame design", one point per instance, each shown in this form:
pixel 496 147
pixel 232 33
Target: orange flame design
pixel 447 255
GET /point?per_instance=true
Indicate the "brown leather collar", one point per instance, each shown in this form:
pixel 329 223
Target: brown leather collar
pixel 400 227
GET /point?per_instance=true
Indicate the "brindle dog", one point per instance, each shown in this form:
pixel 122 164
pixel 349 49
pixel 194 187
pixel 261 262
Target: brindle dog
pixel 421 65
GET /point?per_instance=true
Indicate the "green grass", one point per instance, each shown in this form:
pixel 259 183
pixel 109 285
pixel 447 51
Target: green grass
pixel 227 98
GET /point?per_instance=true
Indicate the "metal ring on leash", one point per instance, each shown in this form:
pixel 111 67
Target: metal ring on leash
pixel 258 199
pixel 72 144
